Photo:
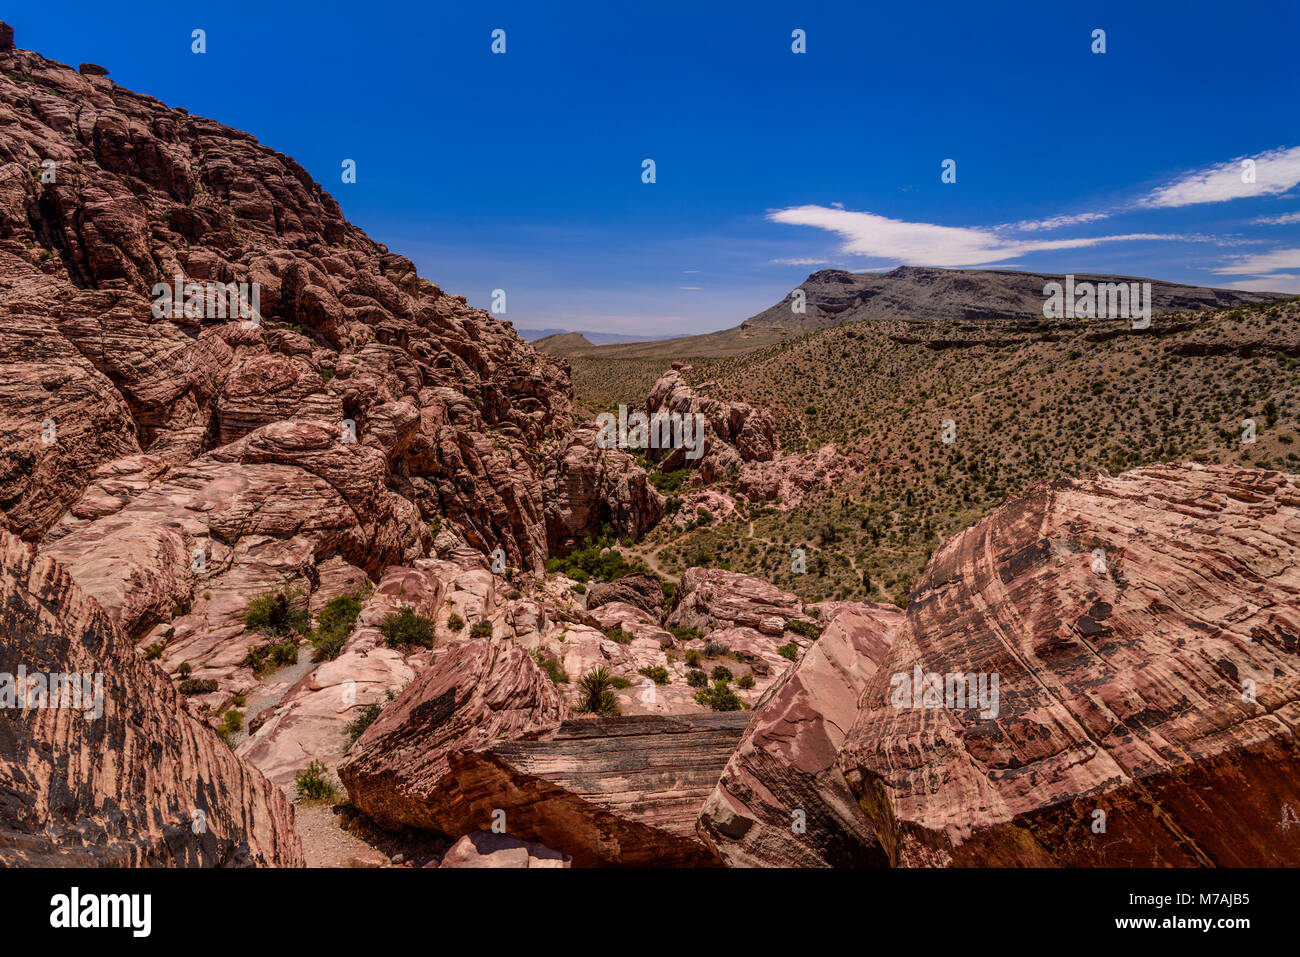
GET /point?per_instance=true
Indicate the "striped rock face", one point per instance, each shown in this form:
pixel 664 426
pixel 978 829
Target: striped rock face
pixel 1131 646
pixel 122 777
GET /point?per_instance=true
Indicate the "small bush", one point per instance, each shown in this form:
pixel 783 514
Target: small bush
pixel 455 622
pixel 276 613
pixel 721 674
pixel 694 657
pixel 745 681
pixel 364 719
pixel 312 783
pixel 720 697
pixel 805 628
pixel 153 652
pixel 696 678
pixel 552 666
pixel 658 674
pixel 482 629
pixel 790 651
pixel 192 686
pixel 184 669
pixel 406 629
pixel 686 634
pixel 597 693
pixel 614 633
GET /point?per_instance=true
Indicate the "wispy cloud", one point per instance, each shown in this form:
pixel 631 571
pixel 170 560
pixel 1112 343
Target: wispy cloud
pixel 799 262
pixel 1282 282
pixel 1261 263
pixel 1283 220
pixel 1056 222
pixel 1276 171
pixel 866 234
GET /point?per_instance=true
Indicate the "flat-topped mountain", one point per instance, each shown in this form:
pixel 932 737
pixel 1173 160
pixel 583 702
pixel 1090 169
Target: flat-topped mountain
pixel 909 293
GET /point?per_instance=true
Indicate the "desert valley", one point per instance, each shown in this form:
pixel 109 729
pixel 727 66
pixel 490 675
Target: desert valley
pixel 352 578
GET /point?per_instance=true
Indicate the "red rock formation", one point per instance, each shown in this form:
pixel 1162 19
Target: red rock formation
pixel 486 849
pixel 588 487
pixel 782 801
pixel 1143 629
pixel 641 591
pixel 138 784
pixel 607 791
pixel 475 692
pixel 710 598
pixel 735 432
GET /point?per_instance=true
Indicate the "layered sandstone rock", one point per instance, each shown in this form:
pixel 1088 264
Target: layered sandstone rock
pixel 608 791
pixel 588 487
pixel 489 850
pixel 475 693
pixel 125 778
pixel 782 801
pixel 642 591
pixel 710 598
pixel 1143 633
pixel 735 432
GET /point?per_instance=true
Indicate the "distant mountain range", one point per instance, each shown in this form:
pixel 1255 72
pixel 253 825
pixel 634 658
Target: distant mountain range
pixel 591 338
pixel 909 293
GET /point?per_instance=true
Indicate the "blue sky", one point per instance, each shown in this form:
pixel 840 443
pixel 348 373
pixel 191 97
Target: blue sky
pixel 523 171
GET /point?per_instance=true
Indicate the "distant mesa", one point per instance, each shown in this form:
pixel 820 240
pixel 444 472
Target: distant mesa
pixel 908 293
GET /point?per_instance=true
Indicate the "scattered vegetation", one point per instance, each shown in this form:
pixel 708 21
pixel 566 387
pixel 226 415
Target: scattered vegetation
pixel 597 688
pixel 406 629
pixel 313 785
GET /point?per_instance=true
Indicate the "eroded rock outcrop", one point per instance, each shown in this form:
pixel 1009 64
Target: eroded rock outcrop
pixel 735 432
pixel 641 591
pixel 473 694
pixel 782 800
pixel 124 778
pixel 588 487
pixel 1143 633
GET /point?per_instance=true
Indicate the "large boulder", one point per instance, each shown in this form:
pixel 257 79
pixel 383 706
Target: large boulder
pixel 110 771
pixel 1102 672
pixel 587 487
pixel 642 591
pixel 782 801
pixel 475 693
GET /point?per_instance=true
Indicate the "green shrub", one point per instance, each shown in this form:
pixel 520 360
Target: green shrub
pixel 406 629
pixel 790 651
pixel 720 697
pixel 658 674
pixel 364 719
pixel 745 681
pixel 191 686
pixel 696 678
pixel 184 669
pixel 686 634
pixel 313 785
pixel 552 666
pixel 614 633
pixel 619 682
pixel 693 657
pixel 455 622
pixel 481 629
pixel 721 674
pixel 597 693
pixel 153 652
pixel 805 628
pixel 276 613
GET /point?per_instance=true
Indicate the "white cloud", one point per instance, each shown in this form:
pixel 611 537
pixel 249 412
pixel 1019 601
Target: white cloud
pixel 927 244
pixel 691 288
pixel 1282 220
pixel 1056 222
pixel 1276 171
pixel 1261 263
pixel 1282 282
pixel 799 262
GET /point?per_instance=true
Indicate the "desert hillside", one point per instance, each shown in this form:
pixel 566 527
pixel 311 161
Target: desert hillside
pixel 303 561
